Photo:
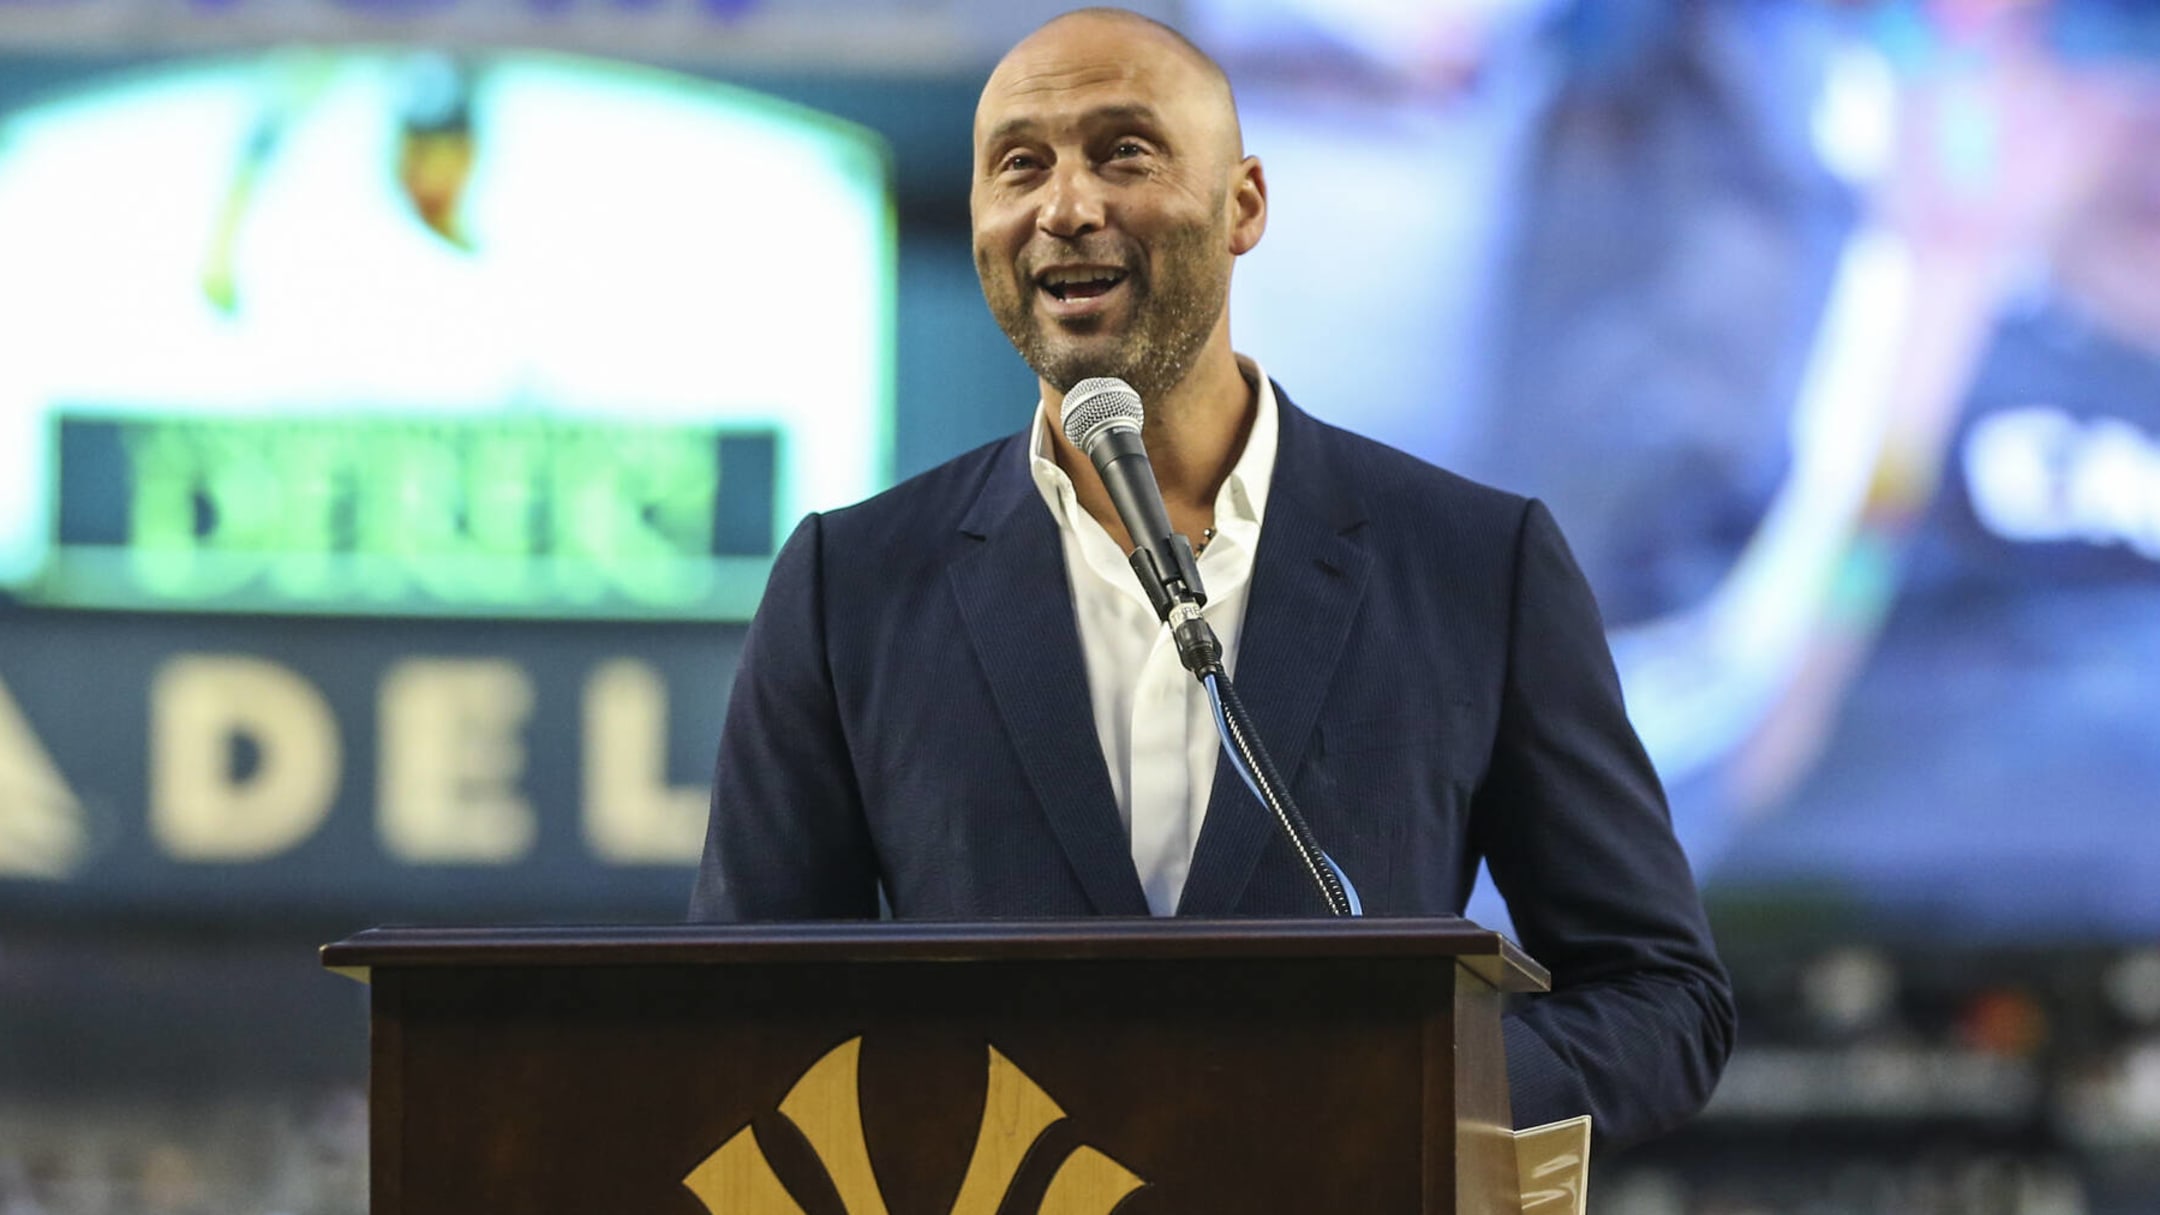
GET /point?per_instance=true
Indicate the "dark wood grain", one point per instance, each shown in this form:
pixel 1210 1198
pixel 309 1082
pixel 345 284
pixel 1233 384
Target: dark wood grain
pixel 1246 1067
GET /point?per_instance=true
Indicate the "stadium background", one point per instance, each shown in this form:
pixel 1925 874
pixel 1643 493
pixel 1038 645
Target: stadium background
pixel 399 399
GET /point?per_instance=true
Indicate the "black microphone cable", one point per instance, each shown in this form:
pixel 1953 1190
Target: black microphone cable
pixel 1241 743
pixel 1102 417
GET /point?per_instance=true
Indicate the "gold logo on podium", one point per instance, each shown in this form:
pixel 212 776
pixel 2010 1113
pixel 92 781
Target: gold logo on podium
pixel 826 1106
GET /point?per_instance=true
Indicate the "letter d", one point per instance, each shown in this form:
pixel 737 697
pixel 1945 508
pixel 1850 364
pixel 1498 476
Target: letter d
pixel 200 808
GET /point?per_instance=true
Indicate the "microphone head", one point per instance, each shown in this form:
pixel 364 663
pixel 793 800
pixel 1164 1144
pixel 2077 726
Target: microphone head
pixel 1096 407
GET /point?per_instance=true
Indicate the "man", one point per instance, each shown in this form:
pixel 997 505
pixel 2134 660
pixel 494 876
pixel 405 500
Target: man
pixel 956 693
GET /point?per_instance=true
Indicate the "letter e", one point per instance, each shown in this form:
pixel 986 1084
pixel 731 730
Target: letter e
pixel 451 758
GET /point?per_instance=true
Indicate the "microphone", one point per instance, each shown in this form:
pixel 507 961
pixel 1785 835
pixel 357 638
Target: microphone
pixel 1102 417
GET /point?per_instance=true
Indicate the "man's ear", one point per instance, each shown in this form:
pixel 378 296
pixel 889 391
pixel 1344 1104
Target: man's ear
pixel 1248 206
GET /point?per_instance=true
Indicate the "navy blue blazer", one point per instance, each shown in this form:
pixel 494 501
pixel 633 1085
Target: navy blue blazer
pixel 1421 657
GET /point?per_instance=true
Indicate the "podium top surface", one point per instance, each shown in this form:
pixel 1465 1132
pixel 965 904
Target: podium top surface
pixel 1488 954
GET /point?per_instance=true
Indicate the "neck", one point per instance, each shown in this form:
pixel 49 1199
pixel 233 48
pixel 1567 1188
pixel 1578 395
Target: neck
pixel 1194 435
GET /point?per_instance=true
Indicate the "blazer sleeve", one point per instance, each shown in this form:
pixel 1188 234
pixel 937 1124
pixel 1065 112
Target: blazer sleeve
pixel 786 837
pixel 1573 824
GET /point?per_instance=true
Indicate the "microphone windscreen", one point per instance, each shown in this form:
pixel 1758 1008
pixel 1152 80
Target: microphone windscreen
pixel 1098 406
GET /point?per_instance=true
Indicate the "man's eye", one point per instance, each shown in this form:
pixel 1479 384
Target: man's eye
pixel 1019 162
pixel 1128 148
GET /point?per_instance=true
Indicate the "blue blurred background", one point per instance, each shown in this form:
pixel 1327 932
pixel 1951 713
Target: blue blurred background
pixel 401 400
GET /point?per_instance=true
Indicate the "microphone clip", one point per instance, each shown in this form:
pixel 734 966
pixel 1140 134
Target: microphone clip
pixel 1168 587
pixel 1177 601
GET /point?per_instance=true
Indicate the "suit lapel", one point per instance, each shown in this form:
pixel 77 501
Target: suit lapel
pixel 1018 612
pixel 1308 578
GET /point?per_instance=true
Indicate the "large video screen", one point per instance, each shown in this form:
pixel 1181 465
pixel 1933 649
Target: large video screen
pixel 392 442
pixel 1831 333
pixel 413 332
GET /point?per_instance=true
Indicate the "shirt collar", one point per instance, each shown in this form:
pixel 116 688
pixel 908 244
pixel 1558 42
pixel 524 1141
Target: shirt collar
pixel 1244 493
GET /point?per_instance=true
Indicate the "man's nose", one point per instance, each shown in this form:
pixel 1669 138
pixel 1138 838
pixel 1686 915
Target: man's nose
pixel 1073 205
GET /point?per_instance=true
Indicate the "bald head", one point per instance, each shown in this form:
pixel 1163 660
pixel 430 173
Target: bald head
pixel 1064 48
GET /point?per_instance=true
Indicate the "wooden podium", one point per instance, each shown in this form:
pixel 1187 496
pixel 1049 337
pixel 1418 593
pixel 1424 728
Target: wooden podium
pixel 1066 1068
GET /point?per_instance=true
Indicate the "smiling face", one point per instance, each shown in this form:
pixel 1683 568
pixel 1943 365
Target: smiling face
pixel 1109 202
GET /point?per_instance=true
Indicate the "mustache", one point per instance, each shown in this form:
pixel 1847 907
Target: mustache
pixel 1107 251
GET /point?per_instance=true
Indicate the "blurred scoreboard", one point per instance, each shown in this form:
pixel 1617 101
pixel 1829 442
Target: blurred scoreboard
pixel 421 333
pixel 392 442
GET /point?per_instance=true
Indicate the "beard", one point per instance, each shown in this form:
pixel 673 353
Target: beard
pixel 1169 315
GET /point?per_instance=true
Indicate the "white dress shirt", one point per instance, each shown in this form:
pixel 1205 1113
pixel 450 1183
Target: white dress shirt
pixel 1152 717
